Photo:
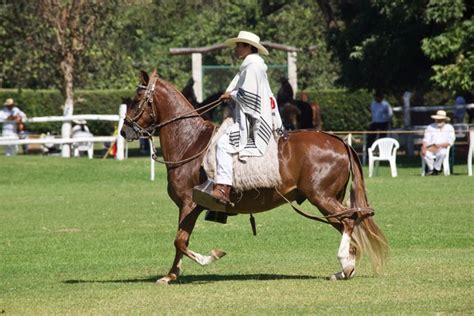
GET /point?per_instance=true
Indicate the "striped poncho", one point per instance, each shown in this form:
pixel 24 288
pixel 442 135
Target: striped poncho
pixel 256 113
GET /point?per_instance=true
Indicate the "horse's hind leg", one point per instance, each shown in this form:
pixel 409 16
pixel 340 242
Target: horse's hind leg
pixel 188 217
pixel 347 252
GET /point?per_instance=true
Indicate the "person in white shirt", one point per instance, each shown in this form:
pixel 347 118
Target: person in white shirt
pixel 255 115
pixel 12 118
pixel 438 137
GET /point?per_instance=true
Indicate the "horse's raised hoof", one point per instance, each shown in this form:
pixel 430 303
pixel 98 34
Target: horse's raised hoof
pixel 217 254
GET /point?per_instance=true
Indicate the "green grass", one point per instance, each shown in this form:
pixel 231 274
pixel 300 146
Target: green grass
pixel 81 236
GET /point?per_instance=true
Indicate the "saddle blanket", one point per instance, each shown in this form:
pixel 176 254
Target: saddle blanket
pixel 254 172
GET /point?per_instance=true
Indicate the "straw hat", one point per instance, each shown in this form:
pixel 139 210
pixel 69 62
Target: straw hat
pixel 440 115
pixel 249 38
pixel 79 122
pixel 9 101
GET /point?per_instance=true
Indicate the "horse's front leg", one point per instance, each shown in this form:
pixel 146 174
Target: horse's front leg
pixel 188 218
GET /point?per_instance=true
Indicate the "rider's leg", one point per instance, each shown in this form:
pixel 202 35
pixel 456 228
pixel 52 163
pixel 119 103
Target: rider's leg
pixel 223 179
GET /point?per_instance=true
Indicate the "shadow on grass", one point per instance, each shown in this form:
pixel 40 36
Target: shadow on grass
pixel 207 278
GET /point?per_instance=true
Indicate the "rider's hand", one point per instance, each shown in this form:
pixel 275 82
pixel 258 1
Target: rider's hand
pixel 225 96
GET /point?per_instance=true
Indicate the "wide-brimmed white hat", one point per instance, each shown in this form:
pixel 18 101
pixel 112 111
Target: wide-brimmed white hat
pixel 79 122
pixel 9 101
pixel 249 38
pixel 440 115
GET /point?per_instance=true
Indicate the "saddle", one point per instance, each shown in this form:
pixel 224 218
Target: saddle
pixel 254 172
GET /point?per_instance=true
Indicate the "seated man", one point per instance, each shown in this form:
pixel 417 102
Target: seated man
pixel 12 118
pixel 438 136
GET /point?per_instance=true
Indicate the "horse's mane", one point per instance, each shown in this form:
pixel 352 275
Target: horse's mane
pixel 175 92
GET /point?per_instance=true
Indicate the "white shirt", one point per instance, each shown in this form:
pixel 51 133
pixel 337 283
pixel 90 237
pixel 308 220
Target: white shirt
pixel 435 135
pixel 9 127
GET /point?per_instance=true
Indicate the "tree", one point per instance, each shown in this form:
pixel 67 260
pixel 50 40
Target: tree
pixel 397 45
pixel 452 48
pixel 378 43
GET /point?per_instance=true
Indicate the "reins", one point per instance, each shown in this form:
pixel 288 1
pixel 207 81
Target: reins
pixel 149 131
pixel 155 156
pixel 349 213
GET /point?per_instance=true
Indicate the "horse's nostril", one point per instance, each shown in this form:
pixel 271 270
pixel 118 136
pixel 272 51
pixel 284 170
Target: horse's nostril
pixel 122 133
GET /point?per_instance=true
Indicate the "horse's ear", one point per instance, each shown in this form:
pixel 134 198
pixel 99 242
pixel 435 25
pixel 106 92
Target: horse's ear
pixel 144 77
pixel 154 73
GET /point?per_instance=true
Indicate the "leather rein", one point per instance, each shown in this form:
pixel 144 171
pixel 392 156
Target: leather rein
pixel 150 130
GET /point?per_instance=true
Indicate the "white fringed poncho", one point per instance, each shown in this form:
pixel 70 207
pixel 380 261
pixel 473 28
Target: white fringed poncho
pixel 256 113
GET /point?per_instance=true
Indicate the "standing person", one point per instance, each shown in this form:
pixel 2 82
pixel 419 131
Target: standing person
pixel 459 109
pixel 255 114
pixel 381 117
pixel 12 118
pixel 438 137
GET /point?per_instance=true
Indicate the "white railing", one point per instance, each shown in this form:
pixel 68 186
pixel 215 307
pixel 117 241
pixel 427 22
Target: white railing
pixel 4 141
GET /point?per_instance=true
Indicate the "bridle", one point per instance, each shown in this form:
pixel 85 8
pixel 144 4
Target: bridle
pixel 155 126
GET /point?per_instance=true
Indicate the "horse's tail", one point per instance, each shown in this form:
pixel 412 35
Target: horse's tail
pixel 366 236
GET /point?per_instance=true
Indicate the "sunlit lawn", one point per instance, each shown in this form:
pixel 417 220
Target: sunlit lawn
pixel 83 236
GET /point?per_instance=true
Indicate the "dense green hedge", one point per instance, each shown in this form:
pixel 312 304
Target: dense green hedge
pixel 343 110
pixel 50 102
pixel 340 109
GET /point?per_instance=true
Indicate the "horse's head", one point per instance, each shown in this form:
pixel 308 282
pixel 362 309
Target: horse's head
pixel 290 116
pixel 141 113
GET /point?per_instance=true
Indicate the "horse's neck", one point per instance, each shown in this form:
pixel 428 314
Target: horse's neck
pixel 181 136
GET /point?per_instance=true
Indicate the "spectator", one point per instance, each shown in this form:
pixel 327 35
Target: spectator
pixel 438 137
pixel 381 118
pixel 80 125
pixel 12 118
pixel 459 109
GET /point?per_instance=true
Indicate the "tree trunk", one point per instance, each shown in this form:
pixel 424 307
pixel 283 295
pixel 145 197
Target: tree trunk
pixel 67 68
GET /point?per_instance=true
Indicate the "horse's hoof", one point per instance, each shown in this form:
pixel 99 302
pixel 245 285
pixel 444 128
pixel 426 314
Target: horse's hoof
pixel 337 276
pixel 162 281
pixel 217 254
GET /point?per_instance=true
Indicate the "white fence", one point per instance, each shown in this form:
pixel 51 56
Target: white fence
pixel 68 141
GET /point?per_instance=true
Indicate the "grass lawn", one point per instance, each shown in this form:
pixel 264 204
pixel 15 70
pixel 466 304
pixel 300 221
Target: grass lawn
pixel 81 236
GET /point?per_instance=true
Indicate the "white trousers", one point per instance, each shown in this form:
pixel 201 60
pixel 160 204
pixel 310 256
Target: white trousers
pixel 224 162
pixel 435 160
pixel 10 150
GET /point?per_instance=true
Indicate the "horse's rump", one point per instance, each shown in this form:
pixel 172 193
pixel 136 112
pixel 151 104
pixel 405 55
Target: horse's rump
pixel 255 172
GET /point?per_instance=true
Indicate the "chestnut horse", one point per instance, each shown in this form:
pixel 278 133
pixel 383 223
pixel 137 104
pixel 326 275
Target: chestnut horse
pixel 313 165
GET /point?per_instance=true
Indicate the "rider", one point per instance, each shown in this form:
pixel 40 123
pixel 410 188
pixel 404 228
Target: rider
pixel 255 114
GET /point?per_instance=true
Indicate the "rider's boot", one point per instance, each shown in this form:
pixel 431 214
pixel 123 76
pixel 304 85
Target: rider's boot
pixel 221 192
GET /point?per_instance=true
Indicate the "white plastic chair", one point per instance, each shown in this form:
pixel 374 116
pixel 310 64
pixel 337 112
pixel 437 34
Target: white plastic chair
pixel 83 146
pixel 471 150
pixel 446 169
pixel 387 150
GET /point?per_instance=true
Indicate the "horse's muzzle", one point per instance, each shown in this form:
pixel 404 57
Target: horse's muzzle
pixel 129 133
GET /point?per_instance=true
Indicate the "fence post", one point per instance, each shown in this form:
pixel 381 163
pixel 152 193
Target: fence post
pixel 152 161
pixel 364 149
pixel 197 75
pixel 120 140
pixel 407 122
pixel 292 71
pixel 66 128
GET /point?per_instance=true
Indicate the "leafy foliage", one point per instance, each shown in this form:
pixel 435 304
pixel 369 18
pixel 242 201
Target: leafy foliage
pixel 452 48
